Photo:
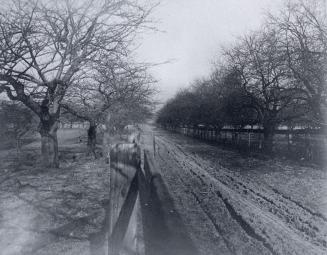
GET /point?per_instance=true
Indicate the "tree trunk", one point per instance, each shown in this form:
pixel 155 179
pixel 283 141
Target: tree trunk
pixel 268 137
pixel 49 143
pixel 91 138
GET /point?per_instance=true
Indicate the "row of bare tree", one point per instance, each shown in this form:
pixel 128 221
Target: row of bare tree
pixel 73 57
pixel 273 76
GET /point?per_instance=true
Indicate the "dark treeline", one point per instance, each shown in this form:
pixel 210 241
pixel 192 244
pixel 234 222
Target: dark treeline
pixel 271 77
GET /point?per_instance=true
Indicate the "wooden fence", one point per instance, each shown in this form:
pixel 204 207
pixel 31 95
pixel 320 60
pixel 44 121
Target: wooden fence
pixel 141 191
pixel 123 193
pixel 299 144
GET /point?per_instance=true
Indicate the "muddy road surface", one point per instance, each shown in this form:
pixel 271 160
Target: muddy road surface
pixel 230 211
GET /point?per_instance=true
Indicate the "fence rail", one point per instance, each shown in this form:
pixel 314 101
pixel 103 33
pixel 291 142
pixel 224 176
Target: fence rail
pixel 299 144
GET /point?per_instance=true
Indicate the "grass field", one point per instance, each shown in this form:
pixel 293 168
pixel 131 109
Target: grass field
pixel 52 211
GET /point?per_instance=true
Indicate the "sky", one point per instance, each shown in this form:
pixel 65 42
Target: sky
pixel 191 35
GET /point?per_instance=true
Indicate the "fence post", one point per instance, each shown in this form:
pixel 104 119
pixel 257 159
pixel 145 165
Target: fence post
pixel 154 145
pixel 308 152
pixel 124 166
pixel 122 222
pixel 289 140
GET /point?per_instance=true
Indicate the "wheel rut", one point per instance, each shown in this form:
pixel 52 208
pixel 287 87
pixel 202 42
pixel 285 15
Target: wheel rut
pixel 306 227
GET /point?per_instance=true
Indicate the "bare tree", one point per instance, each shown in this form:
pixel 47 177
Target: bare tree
pixel 115 87
pixel 261 65
pixel 302 28
pixel 45 46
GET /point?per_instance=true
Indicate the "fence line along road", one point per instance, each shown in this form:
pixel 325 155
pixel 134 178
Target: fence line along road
pixel 299 144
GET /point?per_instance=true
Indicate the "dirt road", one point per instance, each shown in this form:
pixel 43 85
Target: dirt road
pixel 227 211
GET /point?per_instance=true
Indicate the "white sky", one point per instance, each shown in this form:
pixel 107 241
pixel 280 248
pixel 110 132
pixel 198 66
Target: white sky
pixel 194 31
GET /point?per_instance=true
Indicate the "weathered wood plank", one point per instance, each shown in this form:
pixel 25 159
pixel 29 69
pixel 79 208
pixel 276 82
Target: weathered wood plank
pixel 124 165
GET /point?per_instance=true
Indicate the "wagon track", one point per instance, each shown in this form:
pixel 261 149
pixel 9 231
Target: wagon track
pixel 272 222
